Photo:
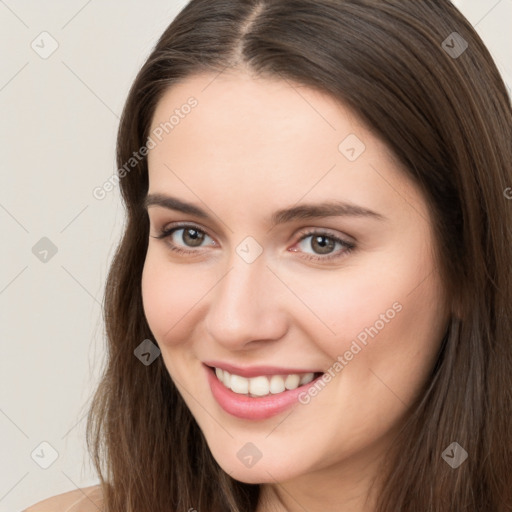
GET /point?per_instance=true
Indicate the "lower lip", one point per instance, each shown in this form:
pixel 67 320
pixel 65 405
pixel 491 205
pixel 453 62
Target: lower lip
pixel 257 408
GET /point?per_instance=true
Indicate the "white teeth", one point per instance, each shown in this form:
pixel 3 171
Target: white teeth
pixel 259 386
pixel 276 384
pixel 262 386
pixel 292 381
pixel 307 378
pixel 239 384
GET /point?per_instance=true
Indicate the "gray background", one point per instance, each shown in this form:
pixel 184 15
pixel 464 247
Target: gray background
pixel 58 122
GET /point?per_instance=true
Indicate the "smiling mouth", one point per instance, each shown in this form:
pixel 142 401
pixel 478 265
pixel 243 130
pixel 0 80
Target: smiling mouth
pixel 263 385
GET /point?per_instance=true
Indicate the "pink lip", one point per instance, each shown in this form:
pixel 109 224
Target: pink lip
pixel 259 408
pixel 256 371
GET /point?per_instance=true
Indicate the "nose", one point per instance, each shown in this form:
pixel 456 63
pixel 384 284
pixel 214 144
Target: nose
pixel 246 306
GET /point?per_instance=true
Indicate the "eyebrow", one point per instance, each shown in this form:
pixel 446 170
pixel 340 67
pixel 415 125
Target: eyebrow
pixel 300 212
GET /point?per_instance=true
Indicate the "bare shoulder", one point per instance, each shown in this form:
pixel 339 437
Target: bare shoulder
pixel 87 499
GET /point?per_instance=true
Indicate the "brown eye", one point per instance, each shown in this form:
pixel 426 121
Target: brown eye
pixel 192 237
pixel 323 246
pixel 179 238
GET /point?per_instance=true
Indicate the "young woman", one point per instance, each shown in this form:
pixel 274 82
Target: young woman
pixel 311 305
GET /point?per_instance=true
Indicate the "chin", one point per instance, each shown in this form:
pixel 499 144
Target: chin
pixel 256 476
pixel 262 472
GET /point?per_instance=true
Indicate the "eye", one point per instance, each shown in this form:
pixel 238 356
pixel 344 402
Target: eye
pixel 323 245
pixel 186 235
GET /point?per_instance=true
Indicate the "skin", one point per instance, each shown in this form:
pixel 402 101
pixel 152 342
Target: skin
pixel 250 147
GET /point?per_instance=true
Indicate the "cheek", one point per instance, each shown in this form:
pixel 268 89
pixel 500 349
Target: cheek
pixel 169 294
pixel 390 349
pixel 348 303
pixel 389 314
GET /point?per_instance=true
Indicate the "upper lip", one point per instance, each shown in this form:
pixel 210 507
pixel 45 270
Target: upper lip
pixel 255 371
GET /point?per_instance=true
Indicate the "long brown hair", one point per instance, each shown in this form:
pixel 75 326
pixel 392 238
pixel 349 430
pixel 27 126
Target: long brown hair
pixel 447 117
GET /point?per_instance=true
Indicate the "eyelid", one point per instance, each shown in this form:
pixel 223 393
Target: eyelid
pixel 168 228
pixel 326 231
pixel 302 233
pixel 348 245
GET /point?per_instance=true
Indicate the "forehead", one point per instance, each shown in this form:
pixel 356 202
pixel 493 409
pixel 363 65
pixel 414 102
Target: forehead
pixel 266 139
pixel 258 111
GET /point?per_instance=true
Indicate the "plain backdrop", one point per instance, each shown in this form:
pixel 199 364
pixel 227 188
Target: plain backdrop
pixel 65 72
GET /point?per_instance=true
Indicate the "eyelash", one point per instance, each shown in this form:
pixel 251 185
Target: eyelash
pixel 348 246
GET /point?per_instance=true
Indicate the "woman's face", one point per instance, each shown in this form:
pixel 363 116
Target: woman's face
pixel 301 248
